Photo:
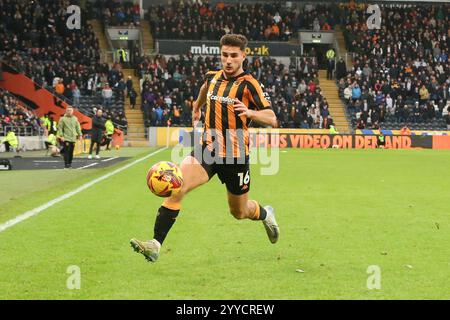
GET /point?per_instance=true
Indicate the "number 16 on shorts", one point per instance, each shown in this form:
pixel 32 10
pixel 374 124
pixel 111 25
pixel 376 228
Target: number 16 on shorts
pixel 244 179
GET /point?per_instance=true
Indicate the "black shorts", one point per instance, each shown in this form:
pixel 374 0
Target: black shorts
pixel 234 173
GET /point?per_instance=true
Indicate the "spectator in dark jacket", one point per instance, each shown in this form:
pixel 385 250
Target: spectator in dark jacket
pixel 129 85
pixel 132 94
pixel 98 126
pixel 341 69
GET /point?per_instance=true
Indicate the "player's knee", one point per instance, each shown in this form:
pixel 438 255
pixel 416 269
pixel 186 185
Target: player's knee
pixel 179 195
pixel 184 190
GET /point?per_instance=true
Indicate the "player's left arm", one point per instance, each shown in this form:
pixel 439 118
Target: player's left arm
pixel 265 117
pixel 262 113
pixel 78 128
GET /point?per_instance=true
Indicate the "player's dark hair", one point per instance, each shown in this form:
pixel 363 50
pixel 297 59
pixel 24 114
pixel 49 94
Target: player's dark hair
pixel 234 40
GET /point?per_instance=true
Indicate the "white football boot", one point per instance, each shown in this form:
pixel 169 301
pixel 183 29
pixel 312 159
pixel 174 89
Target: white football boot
pixel 150 249
pixel 271 225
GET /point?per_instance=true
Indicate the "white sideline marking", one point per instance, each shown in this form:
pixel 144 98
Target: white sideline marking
pixel 46 161
pixel 36 211
pixel 106 160
pixel 89 165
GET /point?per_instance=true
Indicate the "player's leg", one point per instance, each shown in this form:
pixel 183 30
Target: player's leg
pixel 194 175
pixel 241 207
pixel 237 179
pixel 97 148
pixel 66 154
pixel 72 151
pixel 91 147
pixel 108 141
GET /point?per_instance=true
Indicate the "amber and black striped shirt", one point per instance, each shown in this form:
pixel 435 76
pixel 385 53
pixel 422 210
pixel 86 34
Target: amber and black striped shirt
pixel 224 131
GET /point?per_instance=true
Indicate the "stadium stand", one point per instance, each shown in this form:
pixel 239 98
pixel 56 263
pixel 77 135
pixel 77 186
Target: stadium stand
pixel 169 84
pixel 400 73
pixel 114 13
pixel 14 114
pixel 169 87
pixel 35 41
pixel 258 21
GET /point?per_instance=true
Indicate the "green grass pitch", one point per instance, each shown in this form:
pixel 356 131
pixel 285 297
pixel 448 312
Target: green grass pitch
pixel 339 211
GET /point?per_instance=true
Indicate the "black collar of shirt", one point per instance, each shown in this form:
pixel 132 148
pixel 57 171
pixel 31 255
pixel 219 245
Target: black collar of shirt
pixel 222 77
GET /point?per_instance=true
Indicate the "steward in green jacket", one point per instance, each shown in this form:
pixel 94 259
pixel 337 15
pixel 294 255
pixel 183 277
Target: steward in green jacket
pixel 10 141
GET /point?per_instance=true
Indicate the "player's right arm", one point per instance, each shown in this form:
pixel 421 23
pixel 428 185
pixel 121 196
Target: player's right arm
pixel 198 104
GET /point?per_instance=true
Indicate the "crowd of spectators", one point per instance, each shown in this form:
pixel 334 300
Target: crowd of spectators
pixel 102 85
pixel 114 13
pixel 13 114
pixel 39 29
pixel 401 72
pixel 35 40
pixel 295 92
pixel 269 21
pixel 169 86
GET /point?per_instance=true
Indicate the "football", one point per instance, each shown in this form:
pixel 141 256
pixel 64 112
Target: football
pixel 164 179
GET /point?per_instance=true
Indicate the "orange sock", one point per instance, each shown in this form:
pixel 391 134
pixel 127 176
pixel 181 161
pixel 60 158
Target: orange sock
pixel 256 213
pixel 171 204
